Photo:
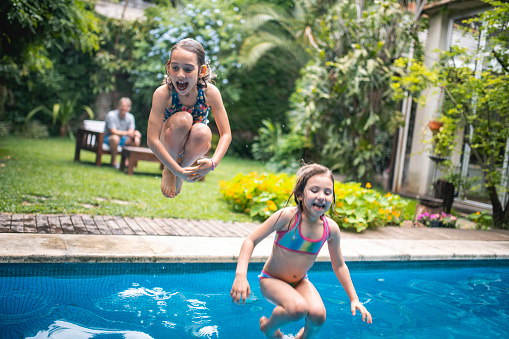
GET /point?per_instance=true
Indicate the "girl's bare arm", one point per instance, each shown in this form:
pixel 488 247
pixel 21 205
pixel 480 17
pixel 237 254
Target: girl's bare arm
pixel 342 273
pixel 240 289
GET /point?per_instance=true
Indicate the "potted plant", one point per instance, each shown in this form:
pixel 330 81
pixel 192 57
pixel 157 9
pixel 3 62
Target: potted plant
pixel 434 125
pixel 437 220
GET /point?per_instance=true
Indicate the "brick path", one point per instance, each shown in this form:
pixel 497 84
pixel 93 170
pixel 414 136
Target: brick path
pixel 114 225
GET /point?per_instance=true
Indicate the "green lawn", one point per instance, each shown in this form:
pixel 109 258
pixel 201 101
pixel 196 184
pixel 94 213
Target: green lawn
pixel 40 176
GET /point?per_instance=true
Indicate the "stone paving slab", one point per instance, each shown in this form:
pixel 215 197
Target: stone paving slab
pixel 61 248
pixel 84 238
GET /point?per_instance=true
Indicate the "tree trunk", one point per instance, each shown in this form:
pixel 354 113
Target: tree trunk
pixel 444 190
pixel 500 215
pixel 103 104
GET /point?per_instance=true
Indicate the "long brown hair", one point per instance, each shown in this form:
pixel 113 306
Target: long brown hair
pixel 195 47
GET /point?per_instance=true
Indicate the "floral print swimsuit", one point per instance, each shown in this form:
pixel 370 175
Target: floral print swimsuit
pixel 200 111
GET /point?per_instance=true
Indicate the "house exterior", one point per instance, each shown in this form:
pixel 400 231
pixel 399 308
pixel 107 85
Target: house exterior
pixel 414 170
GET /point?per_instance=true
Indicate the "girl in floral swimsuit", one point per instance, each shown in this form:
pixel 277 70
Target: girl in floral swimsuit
pixel 301 231
pixel 177 128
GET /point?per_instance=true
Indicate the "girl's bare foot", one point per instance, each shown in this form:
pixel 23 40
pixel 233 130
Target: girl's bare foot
pixel 168 184
pixel 277 333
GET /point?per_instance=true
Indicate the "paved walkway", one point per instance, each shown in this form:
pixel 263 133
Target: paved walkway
pixel 85 238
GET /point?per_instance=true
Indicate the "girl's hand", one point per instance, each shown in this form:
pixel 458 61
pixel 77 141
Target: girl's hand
pixel 366 316
pixel 240 290
pixel 193 174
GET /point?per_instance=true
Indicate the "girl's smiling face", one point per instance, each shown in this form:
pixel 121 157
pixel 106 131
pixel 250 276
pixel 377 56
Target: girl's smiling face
pixel 318 195
pixel 184 71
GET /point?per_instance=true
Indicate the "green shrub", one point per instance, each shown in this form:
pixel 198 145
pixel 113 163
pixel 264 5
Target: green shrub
pixel 360 208
pixel 483 220
pixel 356 207
pixel 5 128
pixel 257 195
pixel 34 130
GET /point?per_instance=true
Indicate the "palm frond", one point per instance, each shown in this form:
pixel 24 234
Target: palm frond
pixel 255 47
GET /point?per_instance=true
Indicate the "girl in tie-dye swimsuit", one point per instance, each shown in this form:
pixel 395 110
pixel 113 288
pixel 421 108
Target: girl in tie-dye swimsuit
pixel 301 231
pixel 177 127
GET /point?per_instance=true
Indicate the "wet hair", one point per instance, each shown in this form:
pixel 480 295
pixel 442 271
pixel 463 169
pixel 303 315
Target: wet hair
pixel 304 173
pixel 195 47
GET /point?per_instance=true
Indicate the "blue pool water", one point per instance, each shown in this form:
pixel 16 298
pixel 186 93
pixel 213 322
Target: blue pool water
pixel 448 299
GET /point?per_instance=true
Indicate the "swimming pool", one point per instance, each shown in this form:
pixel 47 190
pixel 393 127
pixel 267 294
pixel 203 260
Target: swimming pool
pixel 453 299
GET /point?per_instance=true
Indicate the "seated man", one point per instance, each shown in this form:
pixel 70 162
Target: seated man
pixel 119 130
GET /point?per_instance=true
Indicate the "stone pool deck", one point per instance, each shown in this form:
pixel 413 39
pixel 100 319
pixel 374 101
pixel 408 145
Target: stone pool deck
pixel 26 238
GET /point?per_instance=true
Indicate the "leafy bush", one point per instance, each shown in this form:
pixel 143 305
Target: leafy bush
pixel 360 208
pixel 34 130
pixel 259 195
pixel 483 220
pixel 5 128
pixel 280 150
pixel 356 207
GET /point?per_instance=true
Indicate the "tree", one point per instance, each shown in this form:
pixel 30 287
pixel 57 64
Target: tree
pixel 477 103
pixel 276 29
pixel 30 28
pixel 344 100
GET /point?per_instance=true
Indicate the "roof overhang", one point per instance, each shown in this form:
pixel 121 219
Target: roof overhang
pixel 454 6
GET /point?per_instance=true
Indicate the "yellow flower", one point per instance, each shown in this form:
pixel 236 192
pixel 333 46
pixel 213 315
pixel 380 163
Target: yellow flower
pixel 368 185
pixel 388 195
pixel 477 213
pixel 345 220
pixel 389 217
pixel 222 183
pixel 272 205
pixel 253 174
pixel 339 204
pixel 381 211
pixel 249 196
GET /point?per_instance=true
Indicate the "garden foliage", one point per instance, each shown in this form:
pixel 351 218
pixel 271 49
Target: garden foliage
pixel 474 101
pixel 343 103
pixel 356 207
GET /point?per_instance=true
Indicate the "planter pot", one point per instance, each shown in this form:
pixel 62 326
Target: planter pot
pixel 435 223
pixel 435 125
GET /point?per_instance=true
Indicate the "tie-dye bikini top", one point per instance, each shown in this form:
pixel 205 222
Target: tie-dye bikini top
pixel 200 111
pixel 293 240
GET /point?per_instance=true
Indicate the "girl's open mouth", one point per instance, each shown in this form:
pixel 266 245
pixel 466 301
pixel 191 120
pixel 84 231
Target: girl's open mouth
pixel 319 206
pixel 182 86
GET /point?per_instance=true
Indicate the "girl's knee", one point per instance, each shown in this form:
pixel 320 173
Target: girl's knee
pixel 200 133
pixel 181 120
pixel 317 316
pixel 298 310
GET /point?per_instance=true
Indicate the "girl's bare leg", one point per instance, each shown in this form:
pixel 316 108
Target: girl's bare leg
pixel 197 144
pixel 174 136
pixel 291 306
pixel 316 310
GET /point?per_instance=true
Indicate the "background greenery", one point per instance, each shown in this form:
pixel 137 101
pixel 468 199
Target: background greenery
pixel 42 178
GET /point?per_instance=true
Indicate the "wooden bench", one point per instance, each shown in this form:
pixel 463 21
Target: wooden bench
pixel 135 154
pixel 90 138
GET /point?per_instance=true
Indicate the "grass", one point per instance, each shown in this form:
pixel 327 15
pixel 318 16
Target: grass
pixel 40 176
